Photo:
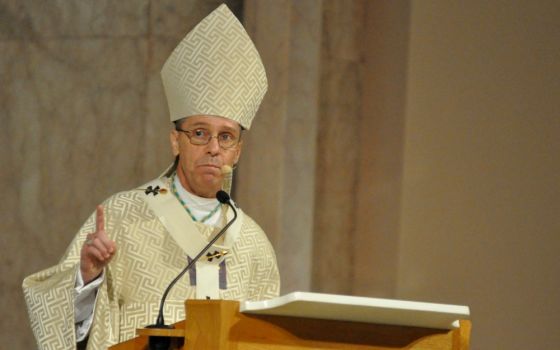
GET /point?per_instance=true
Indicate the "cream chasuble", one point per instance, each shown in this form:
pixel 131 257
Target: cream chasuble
pixel 155 238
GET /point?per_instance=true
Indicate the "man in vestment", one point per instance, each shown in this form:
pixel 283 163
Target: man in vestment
pixel 111 279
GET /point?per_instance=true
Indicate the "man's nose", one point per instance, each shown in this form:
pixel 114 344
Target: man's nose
pixel 213 145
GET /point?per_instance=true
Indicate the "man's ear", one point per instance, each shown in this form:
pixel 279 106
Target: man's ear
pixel 174 141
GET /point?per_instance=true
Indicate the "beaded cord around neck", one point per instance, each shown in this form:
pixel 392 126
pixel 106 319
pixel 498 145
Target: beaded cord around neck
pixel 204 210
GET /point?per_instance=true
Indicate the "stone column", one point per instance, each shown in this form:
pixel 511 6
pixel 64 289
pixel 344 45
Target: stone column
pixel 276 177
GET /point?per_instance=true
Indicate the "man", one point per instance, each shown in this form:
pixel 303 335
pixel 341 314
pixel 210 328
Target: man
pixel 112 277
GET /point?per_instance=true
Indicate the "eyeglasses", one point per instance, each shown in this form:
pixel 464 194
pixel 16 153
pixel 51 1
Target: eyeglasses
pixel 200 137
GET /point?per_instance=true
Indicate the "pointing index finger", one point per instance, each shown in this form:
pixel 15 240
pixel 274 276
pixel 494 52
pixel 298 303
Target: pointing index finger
pixel 100 219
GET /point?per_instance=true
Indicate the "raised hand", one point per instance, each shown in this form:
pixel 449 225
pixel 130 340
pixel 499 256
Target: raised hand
pixel 97 250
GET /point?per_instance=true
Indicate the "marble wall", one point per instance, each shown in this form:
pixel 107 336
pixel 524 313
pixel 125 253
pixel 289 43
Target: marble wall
pixel 83 116
pixel 278 164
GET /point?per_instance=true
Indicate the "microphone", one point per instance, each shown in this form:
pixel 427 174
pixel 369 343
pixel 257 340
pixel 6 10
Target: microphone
pixel 223 198
pixel 163 342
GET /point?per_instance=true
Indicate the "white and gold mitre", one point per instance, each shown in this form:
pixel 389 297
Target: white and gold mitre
pixel 215 70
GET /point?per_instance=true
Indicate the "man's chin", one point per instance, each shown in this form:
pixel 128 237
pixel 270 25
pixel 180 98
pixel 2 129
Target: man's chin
pixel 211 184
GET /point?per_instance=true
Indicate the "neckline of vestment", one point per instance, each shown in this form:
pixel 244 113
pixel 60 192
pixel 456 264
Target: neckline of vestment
pixel 203 210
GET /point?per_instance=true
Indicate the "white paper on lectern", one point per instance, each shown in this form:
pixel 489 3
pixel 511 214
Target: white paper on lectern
pixel 360 309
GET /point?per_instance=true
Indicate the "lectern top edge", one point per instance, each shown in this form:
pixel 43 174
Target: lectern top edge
pixel 360 309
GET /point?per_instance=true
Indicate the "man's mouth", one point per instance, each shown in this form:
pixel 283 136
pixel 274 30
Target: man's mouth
pixel 213 166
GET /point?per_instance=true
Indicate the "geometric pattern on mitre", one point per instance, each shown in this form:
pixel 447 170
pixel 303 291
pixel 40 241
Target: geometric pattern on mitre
pixel 215 70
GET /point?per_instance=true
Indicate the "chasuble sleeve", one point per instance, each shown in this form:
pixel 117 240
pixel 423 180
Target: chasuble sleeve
pixel 50 296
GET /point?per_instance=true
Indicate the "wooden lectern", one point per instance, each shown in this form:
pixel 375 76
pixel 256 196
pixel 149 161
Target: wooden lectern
pixel 314 321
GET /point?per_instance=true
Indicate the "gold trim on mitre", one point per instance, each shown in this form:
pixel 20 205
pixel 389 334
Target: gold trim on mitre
pixel 215 70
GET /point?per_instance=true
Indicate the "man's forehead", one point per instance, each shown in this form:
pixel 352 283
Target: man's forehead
pixel 211 121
